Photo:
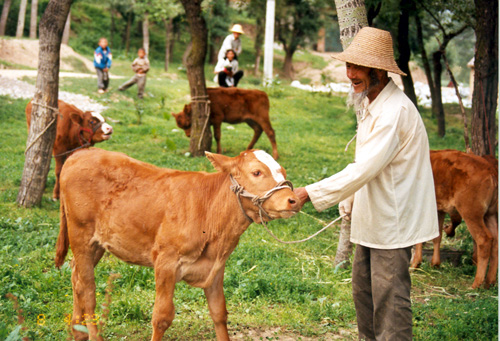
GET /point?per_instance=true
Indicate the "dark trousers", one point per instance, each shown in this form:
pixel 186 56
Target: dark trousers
pixel 102 79
pixel 222 78
pixel 139 80
pixel 381 290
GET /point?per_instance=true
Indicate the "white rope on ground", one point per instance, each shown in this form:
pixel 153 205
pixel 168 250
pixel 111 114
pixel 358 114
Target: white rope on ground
pixel 302 240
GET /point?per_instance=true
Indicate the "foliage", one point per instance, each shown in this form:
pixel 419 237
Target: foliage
pixel 294 290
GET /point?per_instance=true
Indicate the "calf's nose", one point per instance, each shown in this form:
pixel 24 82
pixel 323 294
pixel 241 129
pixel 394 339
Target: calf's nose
pixel 294 203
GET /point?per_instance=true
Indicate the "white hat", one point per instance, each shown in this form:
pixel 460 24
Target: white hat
pixel 237 28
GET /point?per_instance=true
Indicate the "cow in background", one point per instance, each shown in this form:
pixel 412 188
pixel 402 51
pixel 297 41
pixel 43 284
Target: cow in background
pixel 184 224
pixel 75 129
pixel 234 105
pixel 467 187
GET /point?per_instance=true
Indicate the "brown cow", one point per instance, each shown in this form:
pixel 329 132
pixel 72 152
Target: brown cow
pixel 234 105
pixel 467 187
pixel 75 129
pixel 184 224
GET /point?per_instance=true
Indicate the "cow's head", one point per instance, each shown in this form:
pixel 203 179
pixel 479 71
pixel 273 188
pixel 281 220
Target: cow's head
pixel 93 127
pixel 257 172
pixel 183 119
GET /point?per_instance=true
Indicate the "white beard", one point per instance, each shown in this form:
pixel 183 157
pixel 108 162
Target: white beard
pixel 355 100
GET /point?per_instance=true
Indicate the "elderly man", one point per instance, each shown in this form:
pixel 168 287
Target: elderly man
pixel 231 42
pixel 389 187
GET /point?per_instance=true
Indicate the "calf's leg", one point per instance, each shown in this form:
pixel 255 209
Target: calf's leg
pixel 492 224
pixel 217 306
pixel 266 126
pixel 217 136
pixel 436 255
pixel 59 163
pixel 257 131
pixel 483 238
pixel 163 311
pixel 83 282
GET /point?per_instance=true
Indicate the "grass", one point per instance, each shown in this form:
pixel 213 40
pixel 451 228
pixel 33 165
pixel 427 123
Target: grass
pixel 294 289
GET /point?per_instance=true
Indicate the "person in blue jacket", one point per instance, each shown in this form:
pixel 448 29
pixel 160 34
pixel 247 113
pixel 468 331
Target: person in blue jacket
pixel 102 63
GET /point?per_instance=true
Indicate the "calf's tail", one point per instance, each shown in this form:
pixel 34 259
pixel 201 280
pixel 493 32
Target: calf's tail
pixel 62 244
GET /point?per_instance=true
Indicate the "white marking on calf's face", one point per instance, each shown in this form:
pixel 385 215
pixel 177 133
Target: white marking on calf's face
pixel 106 128
pixel 273 166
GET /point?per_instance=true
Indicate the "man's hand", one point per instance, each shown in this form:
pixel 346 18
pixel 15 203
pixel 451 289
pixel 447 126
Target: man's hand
pixel 302 194
pixel 345 207
pixel 105 69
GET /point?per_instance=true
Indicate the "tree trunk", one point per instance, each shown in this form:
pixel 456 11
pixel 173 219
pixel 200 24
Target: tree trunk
pixel 201 137
pixel 352 17
pixel 21 18
pixel 112 26
pixel 344 247
pixel 67 29
pixel 5 15
pixel 423 53
pixel 43 117
pixel 127 33
pixel 288 65
pixel 259 40
pixel 168 32
pixel 214 49
pixel 145 32
pixel 485 94
pixel 404 49
pixel 437 101
pixel 33 19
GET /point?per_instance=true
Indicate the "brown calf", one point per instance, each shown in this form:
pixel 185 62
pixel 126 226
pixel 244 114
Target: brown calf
pixel 234 105
pixel 184 224
pixel 75 129
pixel 467 187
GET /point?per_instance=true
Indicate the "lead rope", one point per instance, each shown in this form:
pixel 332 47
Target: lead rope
pixel 258 201
pixel 56 110
pixel 203 99
pixel 302 240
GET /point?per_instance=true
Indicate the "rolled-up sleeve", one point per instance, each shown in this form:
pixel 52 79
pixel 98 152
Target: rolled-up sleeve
pixel 373 154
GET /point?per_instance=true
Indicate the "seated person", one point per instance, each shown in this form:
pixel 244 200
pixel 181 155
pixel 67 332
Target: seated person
pixel 226 71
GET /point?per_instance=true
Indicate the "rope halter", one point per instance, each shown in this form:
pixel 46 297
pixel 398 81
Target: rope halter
pixel 257 200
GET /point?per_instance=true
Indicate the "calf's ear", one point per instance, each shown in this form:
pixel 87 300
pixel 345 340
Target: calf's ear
pixel 76 118
pixel 221 162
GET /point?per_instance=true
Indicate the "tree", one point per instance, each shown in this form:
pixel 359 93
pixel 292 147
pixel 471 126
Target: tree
pixel 257 10
pixel 403 44
pixel 5 15
pixel 67 29
pixel 21 18
pixel 42 131
pixel 217 23
pixel 164 11
pixel 201 137
pixel 296 22
pixel 34 18
pixel 485 95
pixel 145 32
pixel 352 17
pixel 448 21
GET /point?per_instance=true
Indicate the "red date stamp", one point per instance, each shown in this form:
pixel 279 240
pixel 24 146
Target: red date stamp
pixel 68 318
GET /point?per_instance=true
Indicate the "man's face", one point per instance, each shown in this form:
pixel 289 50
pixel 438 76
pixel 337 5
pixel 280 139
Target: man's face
pixel 236 35
pixel 141 53
pixel 359 76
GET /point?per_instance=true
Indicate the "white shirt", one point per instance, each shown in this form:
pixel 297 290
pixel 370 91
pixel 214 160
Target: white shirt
pixel 394 203
pixel 229 43
pixel 221 65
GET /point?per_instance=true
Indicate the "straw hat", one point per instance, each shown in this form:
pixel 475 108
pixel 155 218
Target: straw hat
pixel 372 48
pixel 238 29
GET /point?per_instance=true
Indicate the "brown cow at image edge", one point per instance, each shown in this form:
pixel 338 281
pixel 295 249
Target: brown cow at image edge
pixel 75 129
pixel 234 105
pixel 184 224
pixel 467 187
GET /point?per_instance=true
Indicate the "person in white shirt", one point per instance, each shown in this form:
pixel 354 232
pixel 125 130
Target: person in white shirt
pixel 389 188
pixel 231 42
pixel 226 71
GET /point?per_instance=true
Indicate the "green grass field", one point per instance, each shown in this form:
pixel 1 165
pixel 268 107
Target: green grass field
pixel 292 290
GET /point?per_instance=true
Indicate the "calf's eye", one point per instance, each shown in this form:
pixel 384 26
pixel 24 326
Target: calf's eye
pixel 256 173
